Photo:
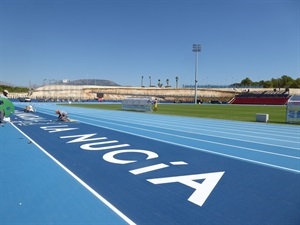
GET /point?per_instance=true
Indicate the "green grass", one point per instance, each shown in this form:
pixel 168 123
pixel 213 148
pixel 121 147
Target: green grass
pixel 277 114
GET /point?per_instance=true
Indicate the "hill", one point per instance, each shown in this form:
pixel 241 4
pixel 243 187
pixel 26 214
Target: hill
pixel 98 82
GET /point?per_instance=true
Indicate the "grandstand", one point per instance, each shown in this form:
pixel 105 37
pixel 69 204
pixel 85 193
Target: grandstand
pixel 275 97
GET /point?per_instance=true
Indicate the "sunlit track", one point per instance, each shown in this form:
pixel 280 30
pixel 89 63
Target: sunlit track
pixel 214 127
pixel 188 123
pixel 284 141
pixel 277 160
pixel 181 133
pixel 200 134
pixel 207 129
pixel 178 170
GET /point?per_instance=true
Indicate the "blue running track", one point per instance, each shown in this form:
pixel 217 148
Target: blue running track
pixel 118 167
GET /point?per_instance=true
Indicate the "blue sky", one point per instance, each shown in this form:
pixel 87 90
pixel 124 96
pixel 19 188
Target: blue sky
pixel 123 40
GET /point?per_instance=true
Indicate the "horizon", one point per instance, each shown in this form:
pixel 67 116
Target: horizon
pixel 62 82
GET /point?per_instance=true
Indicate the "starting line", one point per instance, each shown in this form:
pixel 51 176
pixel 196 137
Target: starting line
pixel 151 182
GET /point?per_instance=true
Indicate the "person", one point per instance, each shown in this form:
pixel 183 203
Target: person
pixel 4 94
pixel 2 113
pixel 155 103
pixel 62 116
pixel 29 109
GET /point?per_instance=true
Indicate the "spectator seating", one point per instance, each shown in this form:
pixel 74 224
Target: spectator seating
pixel 262 98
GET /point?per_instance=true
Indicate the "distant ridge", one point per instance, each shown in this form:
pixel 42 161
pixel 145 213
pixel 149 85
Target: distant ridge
pixel 98 82
pixel 7 84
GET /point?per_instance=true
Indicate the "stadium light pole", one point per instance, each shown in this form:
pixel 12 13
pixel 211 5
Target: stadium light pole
pixel 196 49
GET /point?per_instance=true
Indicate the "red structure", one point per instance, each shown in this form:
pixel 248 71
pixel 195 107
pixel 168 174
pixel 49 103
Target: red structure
pixel 264 98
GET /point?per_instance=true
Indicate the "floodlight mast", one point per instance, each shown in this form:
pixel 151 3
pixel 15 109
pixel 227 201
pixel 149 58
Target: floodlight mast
pixel 196 49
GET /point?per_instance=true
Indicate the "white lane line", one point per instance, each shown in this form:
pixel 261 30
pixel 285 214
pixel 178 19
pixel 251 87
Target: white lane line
pixel 201 149
pixel 205 150
pixel 197 139
pixel 107 203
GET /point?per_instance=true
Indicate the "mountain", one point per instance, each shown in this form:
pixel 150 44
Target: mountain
pixel 88 82
pixel 6 84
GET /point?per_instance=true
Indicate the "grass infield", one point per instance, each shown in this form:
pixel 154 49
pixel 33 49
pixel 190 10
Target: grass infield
pixel 277 114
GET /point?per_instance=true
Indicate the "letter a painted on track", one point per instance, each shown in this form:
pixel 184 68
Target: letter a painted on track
pixel 202 190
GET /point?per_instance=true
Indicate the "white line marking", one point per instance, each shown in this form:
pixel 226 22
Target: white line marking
pixel 178 144
pixel 196 139
pixel 118 212
pixel 204 150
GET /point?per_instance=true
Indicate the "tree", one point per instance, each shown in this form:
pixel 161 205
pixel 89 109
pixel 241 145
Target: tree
pixel 246 82
pixel 286 81
pixel 12 89
pixel 275 82
pixel 295 83
pixel 261 83
pixel 167 81
pixel 267 84
pixel 159 84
